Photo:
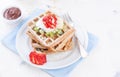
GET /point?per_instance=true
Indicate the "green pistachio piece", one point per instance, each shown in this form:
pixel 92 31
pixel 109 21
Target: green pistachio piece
pixel 51 34
pixel 47 34
pixel 36 28
pixel 60 32
pixel 41 31
pixel 54 31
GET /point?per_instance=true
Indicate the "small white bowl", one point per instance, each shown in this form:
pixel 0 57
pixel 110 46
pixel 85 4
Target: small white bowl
pixel 11 21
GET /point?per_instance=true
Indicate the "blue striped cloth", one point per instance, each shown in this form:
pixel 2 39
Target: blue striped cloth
pixel 9 42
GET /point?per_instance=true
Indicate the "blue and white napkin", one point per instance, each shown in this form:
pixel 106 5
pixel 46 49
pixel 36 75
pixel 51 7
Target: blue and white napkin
pixel 9 42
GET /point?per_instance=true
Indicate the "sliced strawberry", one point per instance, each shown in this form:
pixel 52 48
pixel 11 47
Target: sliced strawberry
pixel 37 58
pixel 50 21
pixel 32 57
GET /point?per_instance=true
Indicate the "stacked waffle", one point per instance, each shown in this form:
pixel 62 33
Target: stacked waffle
pixel 50 34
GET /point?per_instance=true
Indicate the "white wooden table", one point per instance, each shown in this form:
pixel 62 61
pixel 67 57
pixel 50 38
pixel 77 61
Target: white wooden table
pixel 100 17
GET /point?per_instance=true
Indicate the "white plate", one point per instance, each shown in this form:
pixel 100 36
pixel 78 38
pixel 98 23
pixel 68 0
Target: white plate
pixel 54 61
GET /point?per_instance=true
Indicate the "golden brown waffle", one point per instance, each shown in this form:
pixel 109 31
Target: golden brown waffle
pixel 50 45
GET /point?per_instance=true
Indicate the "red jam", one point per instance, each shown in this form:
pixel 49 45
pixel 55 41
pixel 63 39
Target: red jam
pixel 12 13
pixel 50 21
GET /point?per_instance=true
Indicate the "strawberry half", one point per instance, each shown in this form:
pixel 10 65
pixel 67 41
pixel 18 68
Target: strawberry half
pixel 37 58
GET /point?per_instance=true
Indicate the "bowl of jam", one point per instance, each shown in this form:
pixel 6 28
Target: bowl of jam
pixel 12 14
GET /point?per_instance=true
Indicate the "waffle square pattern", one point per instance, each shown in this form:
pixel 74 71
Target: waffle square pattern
pixel 49 33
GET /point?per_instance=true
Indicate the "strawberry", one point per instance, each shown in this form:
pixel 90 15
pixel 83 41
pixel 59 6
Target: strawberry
pixel 50 21
pixel 37 58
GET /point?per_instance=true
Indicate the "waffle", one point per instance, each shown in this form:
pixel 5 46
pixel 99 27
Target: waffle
pixel 45 44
